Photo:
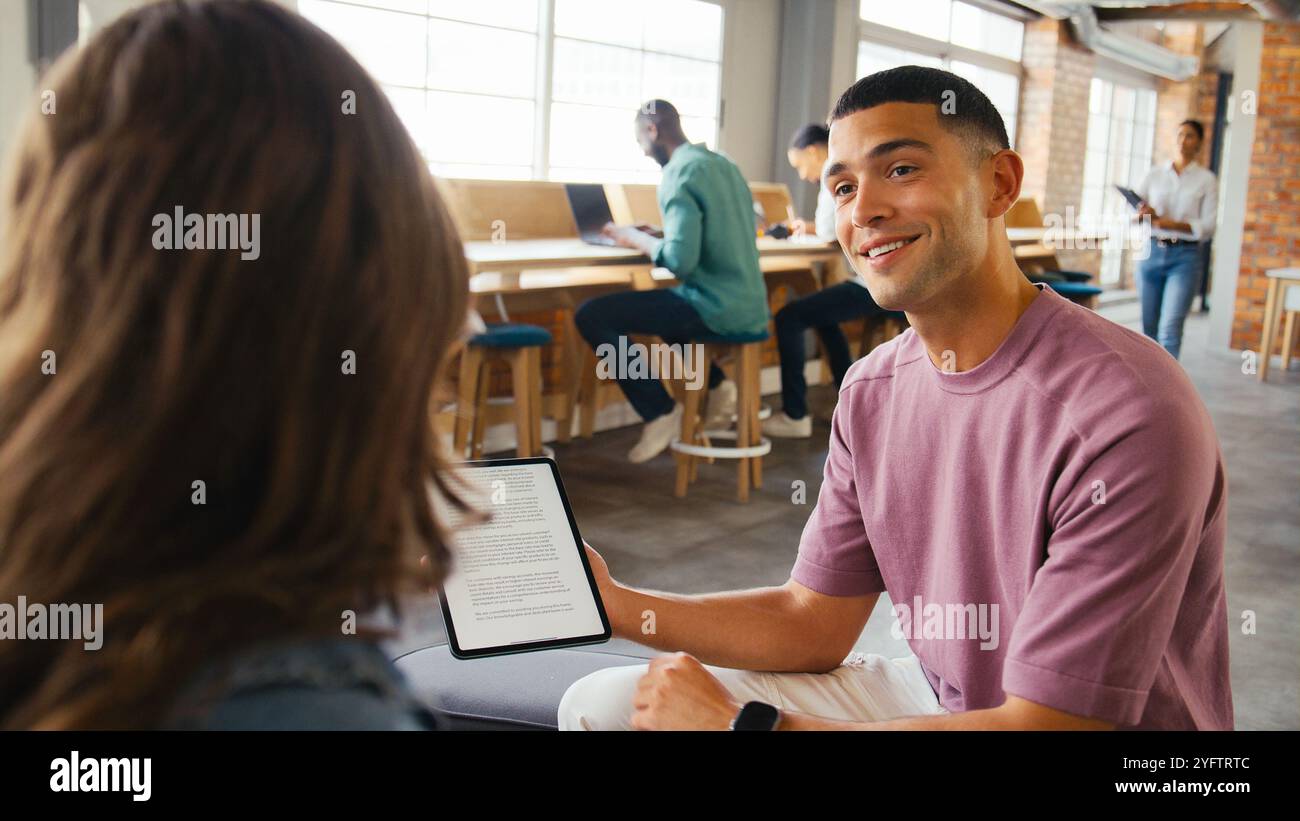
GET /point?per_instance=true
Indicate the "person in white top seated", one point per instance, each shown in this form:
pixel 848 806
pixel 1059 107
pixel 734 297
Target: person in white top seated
pixel 824 310
pixel 1181 198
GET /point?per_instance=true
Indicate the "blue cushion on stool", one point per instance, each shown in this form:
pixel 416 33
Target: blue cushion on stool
pixel 1075 289
pixel 512 335
pixel 731 339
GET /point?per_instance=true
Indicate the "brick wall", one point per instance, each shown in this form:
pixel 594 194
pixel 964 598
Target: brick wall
pixel 1272 221
pixel 1191 99
pixel 1054 125
pixel 1178 101
pixel 1039 62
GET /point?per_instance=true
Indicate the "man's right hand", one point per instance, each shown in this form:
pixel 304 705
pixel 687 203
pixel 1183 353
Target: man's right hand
pixel 611 594
pixel 629 236
pixel 790 628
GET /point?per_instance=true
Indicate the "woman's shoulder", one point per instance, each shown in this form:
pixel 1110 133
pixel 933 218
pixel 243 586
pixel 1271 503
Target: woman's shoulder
pixel 344 683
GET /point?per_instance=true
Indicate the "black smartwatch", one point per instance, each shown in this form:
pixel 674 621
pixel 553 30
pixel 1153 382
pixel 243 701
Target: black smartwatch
pixel 756 716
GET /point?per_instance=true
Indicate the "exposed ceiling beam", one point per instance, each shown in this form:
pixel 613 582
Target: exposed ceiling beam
pixel 1131 51
pixel 1181 11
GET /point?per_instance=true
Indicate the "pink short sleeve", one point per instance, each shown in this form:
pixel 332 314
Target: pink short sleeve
pixel 835 557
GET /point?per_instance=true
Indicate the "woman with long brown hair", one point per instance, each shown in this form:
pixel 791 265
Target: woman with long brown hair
pixel 226 445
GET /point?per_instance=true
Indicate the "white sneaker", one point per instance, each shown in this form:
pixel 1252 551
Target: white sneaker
pixel 780 426
pixel 721 410
pixel 657 435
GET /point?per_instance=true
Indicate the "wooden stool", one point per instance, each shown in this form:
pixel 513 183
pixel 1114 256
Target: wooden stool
pixel 1291 310
pixel 1279 279
pixel 520 347
pixel 750 447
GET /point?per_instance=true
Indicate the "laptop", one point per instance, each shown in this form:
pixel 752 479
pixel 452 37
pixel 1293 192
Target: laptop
pixel 590 211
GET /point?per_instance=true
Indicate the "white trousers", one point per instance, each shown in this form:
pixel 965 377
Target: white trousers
pixel 866 687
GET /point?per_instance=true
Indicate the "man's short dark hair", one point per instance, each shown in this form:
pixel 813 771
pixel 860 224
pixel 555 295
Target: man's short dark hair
pixel 963 108
pixel 811 134
pixel 660 112
pixel 1195 125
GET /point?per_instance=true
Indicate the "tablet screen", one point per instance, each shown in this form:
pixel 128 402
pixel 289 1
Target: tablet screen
pixel 519 581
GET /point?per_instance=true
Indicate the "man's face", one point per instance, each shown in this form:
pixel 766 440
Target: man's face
pixel 806 162
pixel 647 137
pixel 903 182
pixel 1189 145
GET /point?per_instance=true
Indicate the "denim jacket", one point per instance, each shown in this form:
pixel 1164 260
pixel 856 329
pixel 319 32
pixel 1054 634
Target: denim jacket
pixel 344 683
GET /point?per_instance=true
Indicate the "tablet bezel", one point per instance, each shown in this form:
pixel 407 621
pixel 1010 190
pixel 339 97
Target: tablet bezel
pixel 544 644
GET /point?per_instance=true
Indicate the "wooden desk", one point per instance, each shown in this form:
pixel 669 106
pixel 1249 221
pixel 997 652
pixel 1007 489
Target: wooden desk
pixel 1025 236
pixel 570 252
pixel 558 273
pixel 1033 253
pixel 513 256
pixel 498 267
pixel 1031 236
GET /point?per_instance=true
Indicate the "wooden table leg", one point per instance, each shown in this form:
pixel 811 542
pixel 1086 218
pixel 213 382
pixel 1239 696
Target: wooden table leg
pixel 587 404
pixel 535 400
pixel 1288 339
pixel 571 364
pixel 742 420
pixel 1266 340
pixel 521 384
pixel 690 422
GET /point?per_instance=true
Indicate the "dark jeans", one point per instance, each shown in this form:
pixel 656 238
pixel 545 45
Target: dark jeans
pixel 824 310
pixel 654 313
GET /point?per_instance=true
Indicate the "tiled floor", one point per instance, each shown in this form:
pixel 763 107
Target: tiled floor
pixel 708 542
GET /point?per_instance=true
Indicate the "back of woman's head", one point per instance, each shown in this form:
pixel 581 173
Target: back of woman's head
pixel 291 376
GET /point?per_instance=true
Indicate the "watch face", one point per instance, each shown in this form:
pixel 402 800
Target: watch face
pixel 756 716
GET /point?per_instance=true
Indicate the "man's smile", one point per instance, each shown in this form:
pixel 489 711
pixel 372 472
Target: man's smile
pixel 882 251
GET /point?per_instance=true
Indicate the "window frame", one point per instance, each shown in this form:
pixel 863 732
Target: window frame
pixel 1113 252
pixel 870 33
pixel 543 87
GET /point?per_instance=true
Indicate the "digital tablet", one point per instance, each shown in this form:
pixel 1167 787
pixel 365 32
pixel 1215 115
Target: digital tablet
pixel 519 581
pixel 1131 196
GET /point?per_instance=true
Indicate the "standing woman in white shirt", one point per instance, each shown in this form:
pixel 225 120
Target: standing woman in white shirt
pixel 1181 198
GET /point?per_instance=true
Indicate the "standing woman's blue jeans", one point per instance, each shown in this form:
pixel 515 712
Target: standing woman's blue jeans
pixel 1167 281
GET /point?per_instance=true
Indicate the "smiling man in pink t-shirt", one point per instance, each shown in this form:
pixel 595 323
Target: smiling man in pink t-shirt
pixel 1039 490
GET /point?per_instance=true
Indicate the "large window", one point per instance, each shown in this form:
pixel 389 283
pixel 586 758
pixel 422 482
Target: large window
pixel 612 57
pixel 873 57
pixel 470 80
pixel 950 21
pixel 973 43
pixel 1121 134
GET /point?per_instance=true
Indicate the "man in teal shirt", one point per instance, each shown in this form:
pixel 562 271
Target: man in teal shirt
pixel 708 244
